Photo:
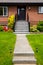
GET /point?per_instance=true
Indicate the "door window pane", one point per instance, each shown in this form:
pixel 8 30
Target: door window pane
pixel 22 8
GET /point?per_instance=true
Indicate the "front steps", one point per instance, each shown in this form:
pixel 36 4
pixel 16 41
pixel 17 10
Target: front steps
pixel 21 27
pixel 24 58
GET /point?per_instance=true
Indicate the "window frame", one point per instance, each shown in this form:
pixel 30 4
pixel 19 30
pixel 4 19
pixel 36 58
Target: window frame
pixel 6 10
pixel 40 10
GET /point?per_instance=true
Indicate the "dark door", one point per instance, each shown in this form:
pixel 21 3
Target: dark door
pixel 21 13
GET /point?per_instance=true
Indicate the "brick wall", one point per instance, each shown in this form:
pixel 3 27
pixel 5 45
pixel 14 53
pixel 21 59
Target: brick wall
pixel 33 14
pixel 4 19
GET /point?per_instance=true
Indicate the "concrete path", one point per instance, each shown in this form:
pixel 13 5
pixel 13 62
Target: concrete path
pixel 22 44
pixel 23 53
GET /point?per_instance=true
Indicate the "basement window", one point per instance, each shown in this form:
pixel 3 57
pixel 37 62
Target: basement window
pixel 3 11
pixel 40 9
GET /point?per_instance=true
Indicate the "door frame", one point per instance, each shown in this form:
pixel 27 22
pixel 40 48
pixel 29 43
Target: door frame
pixel 21 7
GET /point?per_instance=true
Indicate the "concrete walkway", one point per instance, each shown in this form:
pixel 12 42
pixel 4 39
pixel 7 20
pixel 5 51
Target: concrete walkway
pixel 22 44
pixel 23 53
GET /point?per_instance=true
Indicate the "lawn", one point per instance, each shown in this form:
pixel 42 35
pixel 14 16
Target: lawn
pixel 36 41
pixel 7 43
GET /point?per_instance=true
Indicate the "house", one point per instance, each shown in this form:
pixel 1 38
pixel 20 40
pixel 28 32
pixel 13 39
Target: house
pixel 24 9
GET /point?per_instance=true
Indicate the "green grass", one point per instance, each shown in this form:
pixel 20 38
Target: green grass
pixel 36 41
pixel 7 43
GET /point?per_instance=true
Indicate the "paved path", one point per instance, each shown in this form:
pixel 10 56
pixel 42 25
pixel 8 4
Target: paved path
pixel 23 53
pixel 22 44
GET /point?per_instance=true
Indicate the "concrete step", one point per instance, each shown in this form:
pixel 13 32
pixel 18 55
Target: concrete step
pixel 23 54
pixel 24 57
pixel 24 64
pixel 21 25
pixel 21 31
pixel 21 28
pixel 18 22
pixel 24 60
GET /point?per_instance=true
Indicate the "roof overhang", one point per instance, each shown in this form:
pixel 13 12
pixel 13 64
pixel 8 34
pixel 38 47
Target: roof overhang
pixel 21 1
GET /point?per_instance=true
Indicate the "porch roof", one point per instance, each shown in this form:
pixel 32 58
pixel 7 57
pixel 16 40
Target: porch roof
pixel 21 1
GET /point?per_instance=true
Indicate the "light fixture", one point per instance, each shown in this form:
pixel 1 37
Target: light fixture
pixel 29 8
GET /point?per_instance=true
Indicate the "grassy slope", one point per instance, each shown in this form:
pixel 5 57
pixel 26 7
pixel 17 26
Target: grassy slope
pixel 7 43
pixel 36 41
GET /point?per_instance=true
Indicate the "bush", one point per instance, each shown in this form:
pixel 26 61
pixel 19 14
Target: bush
pixel 34 29
pixel 40 23
pixel 11 21
pixel 10 30
pixel 1 28
pixel 40 26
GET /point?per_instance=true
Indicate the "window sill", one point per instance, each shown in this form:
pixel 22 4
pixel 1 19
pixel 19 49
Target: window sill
pixel 3 16
pixel 40 13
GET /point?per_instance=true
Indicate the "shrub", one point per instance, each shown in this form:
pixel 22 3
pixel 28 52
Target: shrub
pixel 40 23
pixel 33 29
pixel 40 26
pixel 11 21
pixel 1 28
pixel 10 30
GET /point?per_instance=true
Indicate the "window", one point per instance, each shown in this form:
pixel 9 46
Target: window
pixel 3 11
pixel 40 9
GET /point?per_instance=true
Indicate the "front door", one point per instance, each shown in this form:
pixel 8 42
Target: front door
pixel 21 13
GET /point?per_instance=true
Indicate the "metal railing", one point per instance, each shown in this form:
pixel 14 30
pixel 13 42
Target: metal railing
pixel 28 22
pixel 14 23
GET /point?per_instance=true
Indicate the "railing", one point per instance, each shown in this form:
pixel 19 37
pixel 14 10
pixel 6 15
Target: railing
pixel 28 22
pixel 14 23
